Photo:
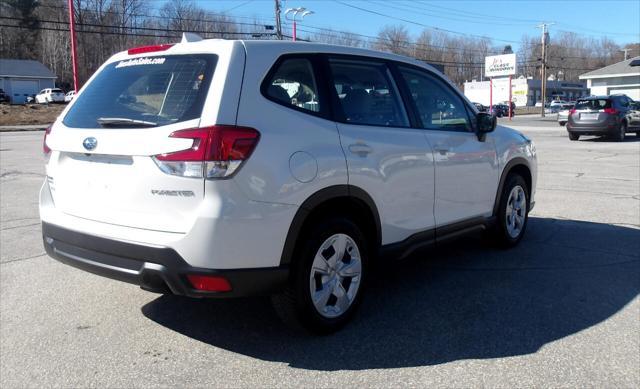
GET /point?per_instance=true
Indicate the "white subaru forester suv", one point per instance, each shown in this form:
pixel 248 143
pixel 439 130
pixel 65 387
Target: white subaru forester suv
pixel 214 168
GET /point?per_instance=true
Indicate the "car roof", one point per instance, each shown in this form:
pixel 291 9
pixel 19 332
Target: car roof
pixel 603 97
pixel 286 47
pixel 291 47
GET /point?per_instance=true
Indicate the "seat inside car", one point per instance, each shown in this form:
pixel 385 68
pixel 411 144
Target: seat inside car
pixel 279 93
pixel 357 105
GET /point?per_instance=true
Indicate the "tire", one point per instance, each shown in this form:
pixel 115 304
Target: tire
pixel 573 136
pixel 514 200
pixel 562 124
pixel 621 133
pixel 295 305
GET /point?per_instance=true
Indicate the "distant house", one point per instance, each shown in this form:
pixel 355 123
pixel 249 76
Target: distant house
pixel 21 78
pixel 617 78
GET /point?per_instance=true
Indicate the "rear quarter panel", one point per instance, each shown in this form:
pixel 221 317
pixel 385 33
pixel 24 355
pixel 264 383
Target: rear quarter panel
pixel 267 175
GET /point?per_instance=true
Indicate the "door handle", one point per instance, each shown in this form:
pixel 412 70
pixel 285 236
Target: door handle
pixel 361 149
pixel 442 149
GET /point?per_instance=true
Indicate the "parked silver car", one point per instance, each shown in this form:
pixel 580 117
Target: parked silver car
pixel 563 114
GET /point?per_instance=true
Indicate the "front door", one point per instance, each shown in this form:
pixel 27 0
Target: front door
pixel 385 156
pixel 467 170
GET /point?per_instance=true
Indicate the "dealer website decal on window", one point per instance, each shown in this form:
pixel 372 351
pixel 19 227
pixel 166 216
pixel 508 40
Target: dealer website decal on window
pixel 140 61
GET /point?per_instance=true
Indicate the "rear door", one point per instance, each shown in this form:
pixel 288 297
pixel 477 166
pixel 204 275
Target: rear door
pixel 634 114
pixel 466 169
pixel 385 156
pixel 102 167
pixel 627 108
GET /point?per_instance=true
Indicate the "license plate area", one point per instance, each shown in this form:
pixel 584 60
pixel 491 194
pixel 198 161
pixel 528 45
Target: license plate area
pixel 589 116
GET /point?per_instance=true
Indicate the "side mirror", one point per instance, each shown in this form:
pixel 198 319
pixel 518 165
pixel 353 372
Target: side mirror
pixel 485 123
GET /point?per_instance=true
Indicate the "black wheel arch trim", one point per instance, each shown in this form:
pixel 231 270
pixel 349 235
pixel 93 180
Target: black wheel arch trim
pixel 516 161
pixel 318 198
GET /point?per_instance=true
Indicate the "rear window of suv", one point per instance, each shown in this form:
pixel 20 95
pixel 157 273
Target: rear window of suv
pixel 593 104
pixel 146 92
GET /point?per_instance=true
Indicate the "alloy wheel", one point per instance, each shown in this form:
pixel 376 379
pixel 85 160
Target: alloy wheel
pixel 335 275
pixel 516 211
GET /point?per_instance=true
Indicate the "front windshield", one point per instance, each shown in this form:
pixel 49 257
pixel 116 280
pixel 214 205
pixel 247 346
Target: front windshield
pixel 159 90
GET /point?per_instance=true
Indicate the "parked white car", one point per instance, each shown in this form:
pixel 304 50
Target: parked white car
pixel 222 168
pixel 557 103
pixel 69 96
pixel 50 95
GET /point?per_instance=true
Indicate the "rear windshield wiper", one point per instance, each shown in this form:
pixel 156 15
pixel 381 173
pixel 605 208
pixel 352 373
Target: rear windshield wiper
pixel 124 122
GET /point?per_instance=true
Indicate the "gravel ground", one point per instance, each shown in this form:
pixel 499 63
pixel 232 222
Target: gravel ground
pixel 19 115
pixel 560 310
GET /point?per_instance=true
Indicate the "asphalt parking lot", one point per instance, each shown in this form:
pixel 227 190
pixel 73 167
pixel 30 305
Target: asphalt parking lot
pixel 560 310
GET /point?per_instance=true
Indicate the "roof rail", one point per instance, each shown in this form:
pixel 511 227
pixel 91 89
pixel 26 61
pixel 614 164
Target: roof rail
pixel 190 37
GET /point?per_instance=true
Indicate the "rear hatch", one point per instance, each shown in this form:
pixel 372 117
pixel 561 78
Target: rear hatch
pixel 57 94
pixel 104 165
pixel 592 111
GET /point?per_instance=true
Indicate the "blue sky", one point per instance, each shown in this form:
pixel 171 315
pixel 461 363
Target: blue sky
pixel 504 21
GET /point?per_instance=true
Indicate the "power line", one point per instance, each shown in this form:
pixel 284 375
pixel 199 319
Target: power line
pixel 418 23
pixel 475 14
pixel 377 38
pixel 169 17
pixel 138 28
pixel 466 19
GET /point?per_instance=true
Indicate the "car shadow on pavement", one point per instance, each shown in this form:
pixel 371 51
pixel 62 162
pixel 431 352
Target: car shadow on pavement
pixel 462 301
pixel 628 139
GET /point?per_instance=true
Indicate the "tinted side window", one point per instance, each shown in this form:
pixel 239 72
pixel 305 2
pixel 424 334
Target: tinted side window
pixel 624 102
pixel 367 94
pixel 438 106
pixel 293 84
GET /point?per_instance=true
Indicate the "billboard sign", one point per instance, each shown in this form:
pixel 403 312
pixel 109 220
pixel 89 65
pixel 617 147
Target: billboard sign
pixel 500 65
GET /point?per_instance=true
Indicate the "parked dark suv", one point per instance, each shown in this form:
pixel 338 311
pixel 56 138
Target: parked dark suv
pixel 611 116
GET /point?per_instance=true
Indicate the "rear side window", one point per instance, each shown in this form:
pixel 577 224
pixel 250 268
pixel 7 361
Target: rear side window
pixel 293 84
pixel 593 104
pixel 155 91
pixel 439 107
pixel 367 94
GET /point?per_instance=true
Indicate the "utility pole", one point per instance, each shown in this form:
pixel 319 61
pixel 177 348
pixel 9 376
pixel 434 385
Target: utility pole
pixel 278 24
pixel 543 81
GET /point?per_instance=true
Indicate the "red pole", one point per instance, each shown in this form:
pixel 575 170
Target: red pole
pixel 74 56
pixel 509 98
pixel 294 30
pixel 491 95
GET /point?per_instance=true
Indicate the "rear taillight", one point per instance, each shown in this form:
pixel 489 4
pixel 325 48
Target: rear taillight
pixel 216 152
pixel 149 49
pixel 612 111
pixel 45 149
pixel 573 110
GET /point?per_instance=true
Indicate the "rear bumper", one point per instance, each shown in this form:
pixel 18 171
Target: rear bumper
pixel 594 128
pixel 156 269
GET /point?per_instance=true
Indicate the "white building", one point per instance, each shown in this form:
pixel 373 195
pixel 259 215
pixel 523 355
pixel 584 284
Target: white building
pixel 524 92
pixel 616 78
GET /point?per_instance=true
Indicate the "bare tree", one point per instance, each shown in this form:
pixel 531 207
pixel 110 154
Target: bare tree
pixel 29 24
pixel 394 39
